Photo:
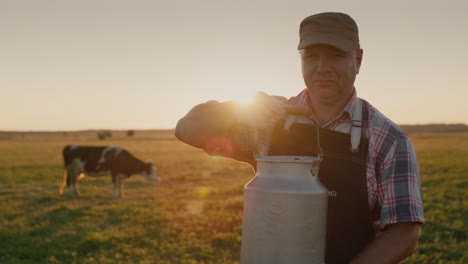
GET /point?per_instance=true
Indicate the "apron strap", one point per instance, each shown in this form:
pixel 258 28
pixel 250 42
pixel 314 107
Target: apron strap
pixel 356 126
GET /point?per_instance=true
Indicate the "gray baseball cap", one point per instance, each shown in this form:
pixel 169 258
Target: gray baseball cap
pixel 331 28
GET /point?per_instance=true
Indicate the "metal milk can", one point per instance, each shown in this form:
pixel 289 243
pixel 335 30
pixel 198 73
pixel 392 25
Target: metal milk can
pixel 285 212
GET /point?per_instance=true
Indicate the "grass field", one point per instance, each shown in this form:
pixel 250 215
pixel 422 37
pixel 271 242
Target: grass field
pixel 193 215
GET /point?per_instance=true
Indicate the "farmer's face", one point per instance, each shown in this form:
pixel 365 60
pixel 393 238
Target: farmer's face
pixel 329 73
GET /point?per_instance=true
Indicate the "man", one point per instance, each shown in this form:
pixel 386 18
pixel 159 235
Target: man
pixel 369 163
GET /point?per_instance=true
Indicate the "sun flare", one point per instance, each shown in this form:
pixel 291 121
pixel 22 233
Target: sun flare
pixel 243 98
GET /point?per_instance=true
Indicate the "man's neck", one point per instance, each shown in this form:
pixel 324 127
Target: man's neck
pixel 326 111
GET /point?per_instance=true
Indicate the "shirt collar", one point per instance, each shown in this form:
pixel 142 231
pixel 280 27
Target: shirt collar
pixel 302 100
pixel 349 107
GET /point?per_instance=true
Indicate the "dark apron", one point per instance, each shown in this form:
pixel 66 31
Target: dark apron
pixel 343 172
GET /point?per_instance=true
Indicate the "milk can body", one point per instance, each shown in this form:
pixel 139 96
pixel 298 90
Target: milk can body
pixel 285 210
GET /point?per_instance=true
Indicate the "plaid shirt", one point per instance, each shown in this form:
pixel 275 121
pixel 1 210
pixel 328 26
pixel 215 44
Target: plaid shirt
pixel 393 181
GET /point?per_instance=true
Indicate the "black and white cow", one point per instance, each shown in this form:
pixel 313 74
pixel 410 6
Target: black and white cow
pixel 100 161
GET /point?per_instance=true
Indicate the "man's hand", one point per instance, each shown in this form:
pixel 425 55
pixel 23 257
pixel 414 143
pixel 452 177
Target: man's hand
pixel 396 242
pixel 265 110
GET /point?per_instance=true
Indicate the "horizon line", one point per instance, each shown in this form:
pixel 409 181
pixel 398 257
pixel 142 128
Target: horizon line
pixel 146 129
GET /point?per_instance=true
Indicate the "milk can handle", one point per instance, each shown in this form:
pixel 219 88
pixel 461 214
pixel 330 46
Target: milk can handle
pixel 319 149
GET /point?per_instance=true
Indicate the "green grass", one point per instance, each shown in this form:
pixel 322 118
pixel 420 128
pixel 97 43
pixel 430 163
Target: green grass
pixel 443 161
pixel 193 215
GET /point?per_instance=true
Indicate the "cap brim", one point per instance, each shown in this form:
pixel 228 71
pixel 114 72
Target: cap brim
pixel 328 39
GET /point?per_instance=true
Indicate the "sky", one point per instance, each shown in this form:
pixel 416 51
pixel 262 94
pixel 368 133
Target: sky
pixel 136 64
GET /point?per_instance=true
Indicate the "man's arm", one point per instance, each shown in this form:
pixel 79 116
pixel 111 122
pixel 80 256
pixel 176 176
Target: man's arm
pixel 213 118
pixel 396 242
pixel 401 199
pixel 205 121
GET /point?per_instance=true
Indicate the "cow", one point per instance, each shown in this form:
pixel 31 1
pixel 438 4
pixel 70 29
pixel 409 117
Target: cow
pixel 99 161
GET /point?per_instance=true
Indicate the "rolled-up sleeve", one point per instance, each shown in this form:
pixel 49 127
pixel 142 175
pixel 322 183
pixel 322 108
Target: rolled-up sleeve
pixel 239 143
pixel 400 192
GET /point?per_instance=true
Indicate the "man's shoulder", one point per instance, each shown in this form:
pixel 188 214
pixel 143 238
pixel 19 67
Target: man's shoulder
pixel 380 125
pixel 300 100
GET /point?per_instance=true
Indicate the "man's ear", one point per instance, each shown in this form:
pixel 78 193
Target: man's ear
pixel 359 55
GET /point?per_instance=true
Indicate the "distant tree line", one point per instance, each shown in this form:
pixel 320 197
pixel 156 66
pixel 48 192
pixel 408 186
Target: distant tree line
pixel 104 134
pixel 108 134
pixel 435 128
